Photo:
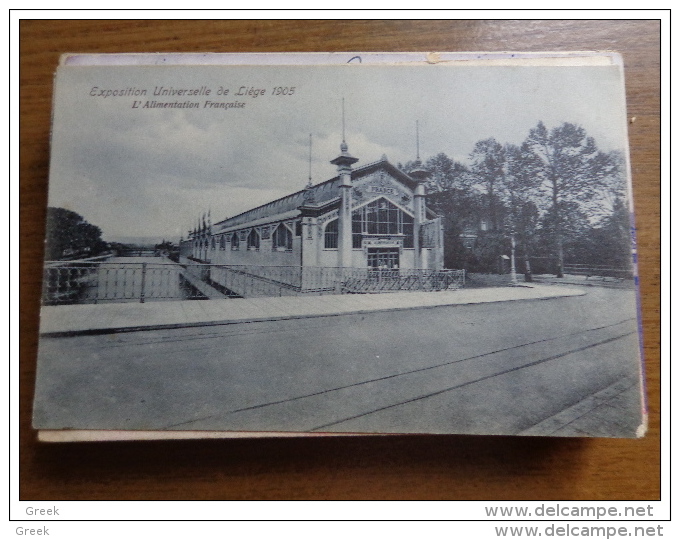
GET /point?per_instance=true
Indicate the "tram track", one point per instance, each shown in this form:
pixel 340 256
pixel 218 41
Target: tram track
pixel 471 382
pixel 436 370
pixel 403 378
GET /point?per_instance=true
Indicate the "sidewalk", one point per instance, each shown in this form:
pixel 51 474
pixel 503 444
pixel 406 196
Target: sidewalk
pixel 613 407
pixel 129 317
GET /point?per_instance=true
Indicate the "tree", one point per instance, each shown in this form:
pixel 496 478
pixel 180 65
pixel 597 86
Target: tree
pixel 576 232
pixel 460 210
pixel 488 168
pixel 518 186
pixel 610 243
pixel 165 245
pixel 527 215
pixel 506 176
pixel 68 234
pixel 445 173
pixel 572 170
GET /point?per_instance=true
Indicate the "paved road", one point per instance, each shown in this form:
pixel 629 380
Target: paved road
pixel 505 368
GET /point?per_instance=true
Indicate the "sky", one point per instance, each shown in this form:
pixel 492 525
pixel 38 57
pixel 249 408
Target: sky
pixel 140 172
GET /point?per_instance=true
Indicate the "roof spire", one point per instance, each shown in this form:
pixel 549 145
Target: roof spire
pixel 419 172
pixel 343 146
pixel 343 118
pixel 344 161
pixel 308 196
pixel 417 143
pixel 309 183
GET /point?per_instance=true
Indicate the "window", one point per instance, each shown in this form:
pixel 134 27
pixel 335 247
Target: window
pixel 223 242
pixel 407 230
pixel 234 242
pixel 212 242
pixel 331 235
pixel 282 238
pixel 383 258
pixel 381 217
pixel 253 240
pixel 357 228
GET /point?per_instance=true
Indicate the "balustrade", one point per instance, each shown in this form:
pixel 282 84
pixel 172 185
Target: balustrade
pixel 101 282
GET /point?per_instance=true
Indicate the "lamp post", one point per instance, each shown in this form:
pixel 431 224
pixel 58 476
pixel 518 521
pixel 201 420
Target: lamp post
pixel 513 270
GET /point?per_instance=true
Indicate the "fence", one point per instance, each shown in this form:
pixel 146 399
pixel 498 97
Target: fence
pixel 590 270
pixel 92 282
pixel 256 281
pixel 100 282
pixel 136 252
pixel 409 280
pixel 250 280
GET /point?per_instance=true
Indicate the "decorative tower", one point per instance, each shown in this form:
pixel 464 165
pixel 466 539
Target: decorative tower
pixel 420 175
pixel 344 163
pixel 310 250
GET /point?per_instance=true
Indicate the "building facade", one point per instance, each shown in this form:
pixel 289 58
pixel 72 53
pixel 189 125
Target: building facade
pixel 373 216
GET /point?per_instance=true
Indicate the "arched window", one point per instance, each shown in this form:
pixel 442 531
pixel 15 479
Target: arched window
pixel 331 235
pixel 282 238
pixel 234 242
pixel 381 217
pixel 253 240
pixel 223 242
pixel 212 242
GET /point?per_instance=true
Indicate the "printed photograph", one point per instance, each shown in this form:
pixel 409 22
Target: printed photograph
pixel 339 249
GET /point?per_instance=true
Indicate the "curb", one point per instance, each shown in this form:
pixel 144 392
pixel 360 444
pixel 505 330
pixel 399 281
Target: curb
pixel 273 318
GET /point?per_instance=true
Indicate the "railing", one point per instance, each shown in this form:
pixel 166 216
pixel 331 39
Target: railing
pixel 97 282
pixel 67 263
pixel 406 280
pixel 250 280
pixel 136 252
pixel 596 271
pixel 114 282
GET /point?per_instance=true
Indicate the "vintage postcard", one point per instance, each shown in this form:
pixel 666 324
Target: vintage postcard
pixel 304 245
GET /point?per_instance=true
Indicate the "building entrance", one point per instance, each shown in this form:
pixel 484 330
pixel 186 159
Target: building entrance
pixel 383 258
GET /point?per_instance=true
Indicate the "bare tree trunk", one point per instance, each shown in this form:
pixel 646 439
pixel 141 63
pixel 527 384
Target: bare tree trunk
pixel 558 231
pixel 528 277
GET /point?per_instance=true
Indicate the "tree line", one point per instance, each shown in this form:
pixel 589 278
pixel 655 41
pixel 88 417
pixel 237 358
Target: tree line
pixel 69 236
pixel 557 197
